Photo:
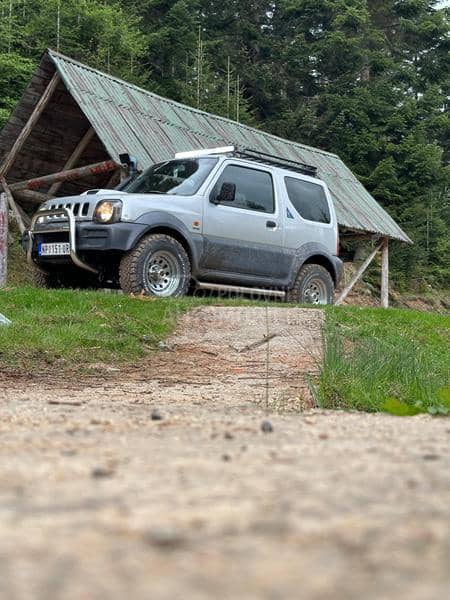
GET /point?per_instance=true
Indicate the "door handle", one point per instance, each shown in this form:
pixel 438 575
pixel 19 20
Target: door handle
pixel 271 224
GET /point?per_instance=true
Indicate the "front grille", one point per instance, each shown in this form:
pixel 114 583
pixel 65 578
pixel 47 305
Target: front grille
pixel 82 211
pixel 79 209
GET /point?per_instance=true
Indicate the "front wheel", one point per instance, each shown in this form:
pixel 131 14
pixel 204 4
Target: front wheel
pixel 67 278
pixel 314 285
pixel 157 266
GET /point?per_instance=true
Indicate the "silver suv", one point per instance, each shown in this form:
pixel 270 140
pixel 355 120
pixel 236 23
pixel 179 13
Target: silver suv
pixel 226 218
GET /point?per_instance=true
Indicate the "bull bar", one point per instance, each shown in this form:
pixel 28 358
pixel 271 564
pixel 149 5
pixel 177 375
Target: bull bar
pixel 71 231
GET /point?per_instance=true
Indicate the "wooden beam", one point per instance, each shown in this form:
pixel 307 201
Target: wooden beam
pixel 3 240
pixel 345 292
pixel 358 237
pixel 13 206
pixel 31 196
pixel 71 175
pixel 385 274
pixel 25 218
pixel 113 181
pixel 74 157
pixel 38 110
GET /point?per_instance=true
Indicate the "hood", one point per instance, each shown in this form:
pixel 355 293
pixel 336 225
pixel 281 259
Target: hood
pixel 103 192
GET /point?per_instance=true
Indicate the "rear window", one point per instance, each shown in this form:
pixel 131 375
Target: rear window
pixel 308 199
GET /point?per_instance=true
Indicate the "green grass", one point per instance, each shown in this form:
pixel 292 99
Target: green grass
pixel 78 327
pixel 395 360
pixel 19 272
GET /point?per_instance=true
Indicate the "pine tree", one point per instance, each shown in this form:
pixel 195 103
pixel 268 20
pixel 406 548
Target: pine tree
pixel 370 81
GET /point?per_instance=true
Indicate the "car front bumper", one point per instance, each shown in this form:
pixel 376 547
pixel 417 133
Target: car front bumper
pixel 84 237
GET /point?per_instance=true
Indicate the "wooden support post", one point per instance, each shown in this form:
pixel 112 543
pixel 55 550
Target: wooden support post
pixel 385 274
pixel 345 292
pixel 3 240
pixel 74 157
pixel 38 110
pixel 13 206
pixel 71 175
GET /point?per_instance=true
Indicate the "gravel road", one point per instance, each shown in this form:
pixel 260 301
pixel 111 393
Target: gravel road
pixel 159 482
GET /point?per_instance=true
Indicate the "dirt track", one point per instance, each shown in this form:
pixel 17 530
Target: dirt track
pixel 100 500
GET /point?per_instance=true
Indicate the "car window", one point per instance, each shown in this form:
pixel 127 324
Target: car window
pixel 308 199
pixel 179 177
pixel 254 188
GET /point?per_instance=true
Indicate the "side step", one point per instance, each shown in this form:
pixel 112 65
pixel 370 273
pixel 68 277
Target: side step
pixel 237 289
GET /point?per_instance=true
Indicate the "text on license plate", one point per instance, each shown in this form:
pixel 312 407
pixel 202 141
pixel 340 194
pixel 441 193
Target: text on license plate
pixel 56 249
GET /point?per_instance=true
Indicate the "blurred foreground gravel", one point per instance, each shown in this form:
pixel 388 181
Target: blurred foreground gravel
pixel 162 484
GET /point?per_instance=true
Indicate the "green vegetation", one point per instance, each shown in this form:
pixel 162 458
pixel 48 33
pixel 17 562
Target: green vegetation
pixel 367 80
pixel 394 360
pixel 63 326
pixel 19 271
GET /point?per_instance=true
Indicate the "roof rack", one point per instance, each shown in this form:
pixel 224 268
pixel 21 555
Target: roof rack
pixel 249 153
pixel 283 163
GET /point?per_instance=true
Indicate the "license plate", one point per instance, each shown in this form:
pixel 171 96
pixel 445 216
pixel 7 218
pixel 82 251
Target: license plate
pixel 57 249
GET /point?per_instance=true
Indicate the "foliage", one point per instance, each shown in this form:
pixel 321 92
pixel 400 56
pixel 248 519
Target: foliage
pixel 15 71
pixel 378 360
pixel 103 34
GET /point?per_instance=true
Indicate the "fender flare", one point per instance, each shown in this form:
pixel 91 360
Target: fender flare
pixel 164 222
pixel 307 251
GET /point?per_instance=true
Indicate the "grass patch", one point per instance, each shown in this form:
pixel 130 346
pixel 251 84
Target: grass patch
pixel 19 271
pixel 81 327
pixel 374 360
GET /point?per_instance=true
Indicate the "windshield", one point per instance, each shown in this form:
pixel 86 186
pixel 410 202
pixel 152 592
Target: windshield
pixel 180 177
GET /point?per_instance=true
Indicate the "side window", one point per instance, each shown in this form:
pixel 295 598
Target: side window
pixel 254 189
pixel 308 199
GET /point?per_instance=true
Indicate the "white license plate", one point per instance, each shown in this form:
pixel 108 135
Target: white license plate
pixel 57 249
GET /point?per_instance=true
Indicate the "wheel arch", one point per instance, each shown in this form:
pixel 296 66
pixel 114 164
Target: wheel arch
pixel 172 232
pixel 323 261
pixel 167 224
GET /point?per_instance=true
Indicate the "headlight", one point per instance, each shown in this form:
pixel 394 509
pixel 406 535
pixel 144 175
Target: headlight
pixel 108 211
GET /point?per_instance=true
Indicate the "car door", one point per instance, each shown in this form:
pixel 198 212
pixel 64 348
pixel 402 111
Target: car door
pixel 244 236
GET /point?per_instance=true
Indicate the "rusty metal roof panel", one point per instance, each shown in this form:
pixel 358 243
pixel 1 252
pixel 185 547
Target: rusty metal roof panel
pixel 128 118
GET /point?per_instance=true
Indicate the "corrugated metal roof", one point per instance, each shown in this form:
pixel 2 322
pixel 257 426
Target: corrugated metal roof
pixel 129 119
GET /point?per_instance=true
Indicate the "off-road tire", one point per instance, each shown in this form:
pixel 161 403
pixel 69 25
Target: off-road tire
pixel 136 264
pixel 313 285
pixel 64 279
pixel 41 279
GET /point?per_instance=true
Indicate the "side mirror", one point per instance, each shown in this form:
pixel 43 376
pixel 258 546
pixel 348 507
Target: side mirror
pixel 227 193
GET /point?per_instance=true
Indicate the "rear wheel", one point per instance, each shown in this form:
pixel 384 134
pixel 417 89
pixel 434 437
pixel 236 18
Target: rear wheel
pixel 157 266
pixel 314 285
